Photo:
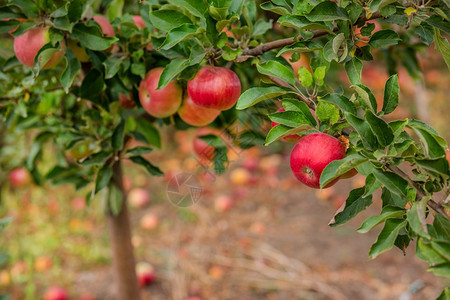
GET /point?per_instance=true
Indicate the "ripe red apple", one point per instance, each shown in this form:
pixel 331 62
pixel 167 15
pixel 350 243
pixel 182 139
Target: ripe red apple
pixel 56 293
pixel 303 61
pixel 201 148
pixel 365 39
pixel 215 87
pixel 138 21
pixel 196 115
pixel 78 204
pixel 138 197
pixel 149 221
pixel 145 273
pixel 290 138
pixel 27 46
pixel 159 103
pixel 223 203
pixel 19 177
pixel 106 27
pixel 311 154
pixel 127 101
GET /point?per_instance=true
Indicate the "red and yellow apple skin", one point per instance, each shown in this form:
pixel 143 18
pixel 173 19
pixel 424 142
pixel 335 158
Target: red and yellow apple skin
pixel 160 103
pixel 27 46
pixel 311 154
pixel 196 115
pixel 139 22
pixel 215 87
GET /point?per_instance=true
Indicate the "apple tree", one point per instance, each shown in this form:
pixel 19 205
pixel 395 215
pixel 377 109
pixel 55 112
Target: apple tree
pixel 87 77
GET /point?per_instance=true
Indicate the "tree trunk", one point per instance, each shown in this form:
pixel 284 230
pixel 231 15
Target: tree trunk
pixel 122 250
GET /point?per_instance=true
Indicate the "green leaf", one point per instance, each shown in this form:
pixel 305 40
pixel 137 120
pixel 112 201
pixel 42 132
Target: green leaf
pixel 195 7
pixel 367 137
pixel 75 10
pixel 416 219
pixel 276 69
pixel 178 34
pixel 290 118
pixel 393 182
pixel 445 295
pixel 90 37
pixel 442 46
pixel 439 165
pixel 426 252
pixel 167 20
pixel 112 66
pixel 392 199
pixel 139 150
pixel 255 95
pixel 153 170
pixel 300 47
pixel 28 7
pixel 366 95
pixel 171 71
pixel 391 91
pixel 97 159
pixel 384 38
pixel 353 68
pixel 372 185
pixel 425 32
pixel 229 53
pixel 339 167
pixel 92 85
pixel 149 131
pixel 115 199
pixel 442 248
pixel 387 237
pixel 341 101
pixel 104 176
pixel 117 136
pixel 432 147
pixel 300 22
pixel 275 9
pixel 354 204
pixel 424 126
pixel 440 270
pixel 327 112
pixel 305 77
pixel 441 228
pixel 296 105
pixel 388 212
pixel 380 128
pixel 71 70
pixel 261 27
pixel 327 11
pixel 279 131
pixel 439 23
pixel 319 75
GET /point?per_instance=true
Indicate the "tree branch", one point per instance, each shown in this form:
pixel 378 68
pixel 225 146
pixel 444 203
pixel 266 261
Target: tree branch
pixel 261 49
pixel 431 203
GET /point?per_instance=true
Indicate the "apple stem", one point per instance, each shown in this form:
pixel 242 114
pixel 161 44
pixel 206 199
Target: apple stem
pixel 122 249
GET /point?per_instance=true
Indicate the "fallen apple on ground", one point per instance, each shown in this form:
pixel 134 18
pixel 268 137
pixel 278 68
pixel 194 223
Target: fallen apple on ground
pixel 145 273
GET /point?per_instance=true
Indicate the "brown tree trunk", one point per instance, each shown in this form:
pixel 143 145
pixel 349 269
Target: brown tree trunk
pixel 122 250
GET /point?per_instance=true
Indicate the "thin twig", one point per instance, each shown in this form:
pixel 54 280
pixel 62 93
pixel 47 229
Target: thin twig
pixel 431 203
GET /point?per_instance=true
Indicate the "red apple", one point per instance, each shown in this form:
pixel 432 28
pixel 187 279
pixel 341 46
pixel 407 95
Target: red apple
pixel 78 204
pixel 106 27
pixel 201 148
pixel 302 62
pixel 56 293
pixel 27 46
pixel 138 197
pixel 159 103
pixel 223 203
pixel 145 273
pixel 215 87
pixel 138 21
pixel 196 115
pixel 19 177
pixel 149 221
pixel 290 138
pixel 127 101
pixel 363 40
pixel 311 154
